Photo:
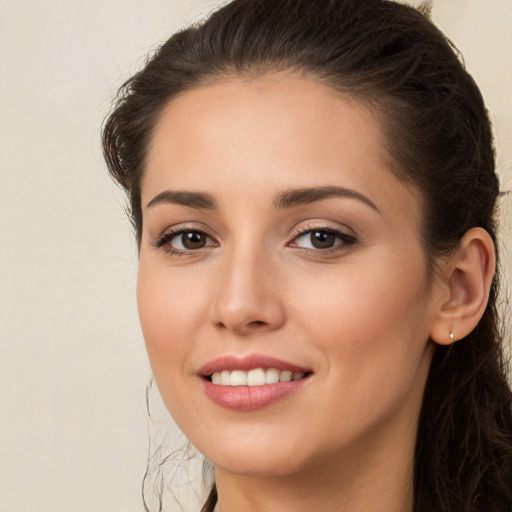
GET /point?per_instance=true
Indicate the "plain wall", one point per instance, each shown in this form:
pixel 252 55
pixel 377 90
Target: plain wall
pixel 73 370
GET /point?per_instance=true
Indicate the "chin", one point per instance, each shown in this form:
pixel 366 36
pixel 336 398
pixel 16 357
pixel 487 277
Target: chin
pixel 260 457
pixel 260 465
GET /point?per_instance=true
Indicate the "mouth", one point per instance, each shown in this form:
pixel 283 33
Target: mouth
pixel 251 382
pixel 254 377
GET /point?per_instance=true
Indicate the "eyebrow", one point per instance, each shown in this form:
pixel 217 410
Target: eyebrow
pixel 298 196
pixel 186 198
pixel 286 199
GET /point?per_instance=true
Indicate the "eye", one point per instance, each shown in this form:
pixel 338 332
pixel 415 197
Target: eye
pixel 318 239
pixel 322 239
pixel 189 240
pixel 184 240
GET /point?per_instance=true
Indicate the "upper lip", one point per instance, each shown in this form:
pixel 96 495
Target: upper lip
pixel 249 362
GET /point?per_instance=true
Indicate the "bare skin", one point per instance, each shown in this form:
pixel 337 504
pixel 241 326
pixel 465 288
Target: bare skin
pixel 336 283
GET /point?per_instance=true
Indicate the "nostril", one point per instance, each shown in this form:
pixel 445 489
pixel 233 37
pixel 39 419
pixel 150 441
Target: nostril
pixel 257 322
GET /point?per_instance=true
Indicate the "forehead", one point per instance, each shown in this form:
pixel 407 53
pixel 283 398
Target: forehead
pixel 270 133
pixel 286 103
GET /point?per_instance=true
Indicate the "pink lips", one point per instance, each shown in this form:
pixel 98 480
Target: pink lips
pixel 248 398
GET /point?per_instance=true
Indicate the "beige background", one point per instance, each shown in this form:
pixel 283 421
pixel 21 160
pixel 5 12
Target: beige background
pixel 73 432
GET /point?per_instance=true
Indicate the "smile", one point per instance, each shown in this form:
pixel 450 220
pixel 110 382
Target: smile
pixel 255 377
pixel 251 382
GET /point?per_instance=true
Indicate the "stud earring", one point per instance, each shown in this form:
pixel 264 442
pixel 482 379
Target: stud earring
pixel 452 337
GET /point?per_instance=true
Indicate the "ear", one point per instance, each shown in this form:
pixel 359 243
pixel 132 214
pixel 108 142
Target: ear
pixel 465 284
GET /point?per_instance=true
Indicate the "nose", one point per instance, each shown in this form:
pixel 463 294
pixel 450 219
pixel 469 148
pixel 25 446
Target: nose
pixel 248 294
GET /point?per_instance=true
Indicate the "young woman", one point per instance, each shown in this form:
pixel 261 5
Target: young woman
pixel 313 192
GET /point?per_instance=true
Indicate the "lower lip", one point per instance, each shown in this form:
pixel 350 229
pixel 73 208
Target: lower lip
pixel 250 398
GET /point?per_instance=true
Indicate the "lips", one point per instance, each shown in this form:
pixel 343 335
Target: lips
pixel 251 382
pixel 247 363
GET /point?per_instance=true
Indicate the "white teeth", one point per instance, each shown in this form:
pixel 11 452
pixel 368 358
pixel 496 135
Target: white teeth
pixel 285 376
pixel 271 376
pixel 238 378
pixel 255 377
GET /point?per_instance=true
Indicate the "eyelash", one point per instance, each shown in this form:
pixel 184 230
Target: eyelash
pixel 163 241
pixel 346 239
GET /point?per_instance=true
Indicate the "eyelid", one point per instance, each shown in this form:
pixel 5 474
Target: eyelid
pixel 163 241
pixel 322 225
pixel 346 235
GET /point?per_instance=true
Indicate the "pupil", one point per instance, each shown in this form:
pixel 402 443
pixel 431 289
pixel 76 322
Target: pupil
pixel 322 239
pixel 193 240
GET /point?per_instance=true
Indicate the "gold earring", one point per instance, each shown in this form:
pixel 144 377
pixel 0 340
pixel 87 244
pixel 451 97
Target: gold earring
pixel 452 337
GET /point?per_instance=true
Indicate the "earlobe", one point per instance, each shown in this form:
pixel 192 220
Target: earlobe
pixel 467 278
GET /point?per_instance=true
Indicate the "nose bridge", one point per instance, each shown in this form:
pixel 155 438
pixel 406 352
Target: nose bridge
pixel 248 294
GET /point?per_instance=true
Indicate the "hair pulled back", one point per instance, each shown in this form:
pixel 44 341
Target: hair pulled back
pixel 392 59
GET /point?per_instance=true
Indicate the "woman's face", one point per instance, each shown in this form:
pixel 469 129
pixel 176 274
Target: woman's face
pixel 277 245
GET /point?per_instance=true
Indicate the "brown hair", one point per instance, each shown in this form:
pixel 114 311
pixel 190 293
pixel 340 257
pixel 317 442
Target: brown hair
pixel 393 59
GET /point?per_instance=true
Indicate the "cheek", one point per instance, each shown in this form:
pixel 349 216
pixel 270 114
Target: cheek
pixel 358 301
pixel 370 320
pixel 372 337
pixel 169 311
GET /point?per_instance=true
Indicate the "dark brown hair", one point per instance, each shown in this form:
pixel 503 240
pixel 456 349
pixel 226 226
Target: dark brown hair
pixel 391 58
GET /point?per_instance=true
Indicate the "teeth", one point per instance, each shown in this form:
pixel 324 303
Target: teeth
pixel 285 376
pixel 272 376
pixel 255 377
pixel 238 378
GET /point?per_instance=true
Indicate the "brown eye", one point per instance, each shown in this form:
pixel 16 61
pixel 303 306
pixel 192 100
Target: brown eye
pixel 191 240
pixel 184 240
pixel 322 239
